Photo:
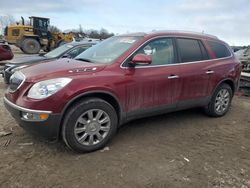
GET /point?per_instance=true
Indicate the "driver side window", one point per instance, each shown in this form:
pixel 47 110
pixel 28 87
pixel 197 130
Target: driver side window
pixel 160 50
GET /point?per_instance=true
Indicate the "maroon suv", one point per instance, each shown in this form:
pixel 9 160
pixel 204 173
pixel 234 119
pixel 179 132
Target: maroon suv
pixel 125 77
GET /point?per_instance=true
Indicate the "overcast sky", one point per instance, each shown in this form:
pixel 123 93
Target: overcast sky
pixel 227 19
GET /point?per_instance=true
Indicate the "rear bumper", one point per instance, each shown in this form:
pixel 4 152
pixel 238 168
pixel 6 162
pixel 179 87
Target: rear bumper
pixel 48 128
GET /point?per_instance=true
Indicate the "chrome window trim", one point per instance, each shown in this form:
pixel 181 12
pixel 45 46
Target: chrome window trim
pixel 24 109
pixel 171 36
pixel 24 78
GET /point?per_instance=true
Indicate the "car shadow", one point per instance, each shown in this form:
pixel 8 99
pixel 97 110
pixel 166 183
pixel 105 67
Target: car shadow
pixel 156 124
pixel 157 120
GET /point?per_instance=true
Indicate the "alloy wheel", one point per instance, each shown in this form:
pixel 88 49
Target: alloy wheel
pixel 222 101
pixel 92 127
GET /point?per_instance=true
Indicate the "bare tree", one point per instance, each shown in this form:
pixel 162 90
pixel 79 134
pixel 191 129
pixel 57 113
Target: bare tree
pixel 6 20
pixel 103 34
pixel 81 32
pixel 80 29
pixel 90 33
pixel 53 28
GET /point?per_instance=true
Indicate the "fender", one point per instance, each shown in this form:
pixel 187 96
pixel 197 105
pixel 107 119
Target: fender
pixel 225 80
pixel 121 115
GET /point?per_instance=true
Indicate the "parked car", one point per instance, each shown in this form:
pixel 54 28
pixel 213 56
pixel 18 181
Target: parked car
pixel 244 56
pixel 69 50
pixel 5 52
pixel 84 100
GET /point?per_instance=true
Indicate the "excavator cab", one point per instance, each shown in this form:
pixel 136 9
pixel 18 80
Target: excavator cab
pixel 40 26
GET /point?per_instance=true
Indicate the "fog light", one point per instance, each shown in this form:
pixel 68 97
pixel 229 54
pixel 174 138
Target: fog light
pixel 34 116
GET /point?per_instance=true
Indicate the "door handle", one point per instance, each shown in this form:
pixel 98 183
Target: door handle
pixel 173 77
pixel 209 72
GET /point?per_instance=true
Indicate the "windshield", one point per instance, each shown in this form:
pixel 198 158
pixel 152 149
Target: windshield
pixel 58 51
pixel 108 50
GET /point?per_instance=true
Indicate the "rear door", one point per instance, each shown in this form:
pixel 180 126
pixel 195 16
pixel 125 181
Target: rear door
pixel 194 71
pixel 223 65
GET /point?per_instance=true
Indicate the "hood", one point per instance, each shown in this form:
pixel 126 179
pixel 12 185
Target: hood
pixel 60 68
pixel 26 59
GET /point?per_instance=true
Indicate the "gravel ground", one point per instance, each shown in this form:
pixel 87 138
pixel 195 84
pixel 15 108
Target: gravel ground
pixel 181 149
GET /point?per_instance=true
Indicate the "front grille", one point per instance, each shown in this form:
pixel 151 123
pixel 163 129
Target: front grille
pixel 16 80
pixel 6 66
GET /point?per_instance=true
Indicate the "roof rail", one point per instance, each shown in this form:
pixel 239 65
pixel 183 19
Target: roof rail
pixel 187 32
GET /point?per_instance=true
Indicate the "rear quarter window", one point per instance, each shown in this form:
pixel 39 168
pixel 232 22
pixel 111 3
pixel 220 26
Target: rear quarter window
pixel 220 50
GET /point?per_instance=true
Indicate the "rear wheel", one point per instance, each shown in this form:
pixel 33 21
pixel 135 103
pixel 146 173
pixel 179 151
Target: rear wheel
pixel 220 102
pixel 30 46
pixel 89 125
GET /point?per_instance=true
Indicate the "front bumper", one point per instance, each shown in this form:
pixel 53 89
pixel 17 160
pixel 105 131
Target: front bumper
pixel 49 128
pixel 6 73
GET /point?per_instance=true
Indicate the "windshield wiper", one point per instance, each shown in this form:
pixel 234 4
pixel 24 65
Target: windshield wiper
pixel 84 59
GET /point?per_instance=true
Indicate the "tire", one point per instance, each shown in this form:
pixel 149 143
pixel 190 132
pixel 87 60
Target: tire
pixel 81 133
pixel 30 46
pixel 21 49
pixel 222 97
pixel 46 48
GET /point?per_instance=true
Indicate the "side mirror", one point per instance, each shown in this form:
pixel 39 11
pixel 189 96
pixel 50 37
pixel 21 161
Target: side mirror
pixel 141 59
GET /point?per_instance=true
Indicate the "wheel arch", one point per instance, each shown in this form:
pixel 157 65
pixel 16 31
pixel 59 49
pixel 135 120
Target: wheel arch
pixel 228 81
pixel 31 37
pixel 104 95
pixel 20 40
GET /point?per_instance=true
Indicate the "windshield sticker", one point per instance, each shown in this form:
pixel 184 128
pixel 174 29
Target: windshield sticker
pixel 128 40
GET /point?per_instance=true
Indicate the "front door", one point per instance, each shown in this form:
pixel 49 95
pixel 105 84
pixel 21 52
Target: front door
pixel 151 87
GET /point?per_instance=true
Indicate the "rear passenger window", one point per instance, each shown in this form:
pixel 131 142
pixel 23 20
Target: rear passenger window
pixel 219 49
pixel 191 50
pixel 204 51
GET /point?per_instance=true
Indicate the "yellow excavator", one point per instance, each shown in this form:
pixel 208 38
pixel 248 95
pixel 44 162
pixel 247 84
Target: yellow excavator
pixel 35 36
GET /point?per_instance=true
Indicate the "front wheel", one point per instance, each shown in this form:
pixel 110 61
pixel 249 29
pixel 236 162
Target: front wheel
pixel 30 46
pixel 89 125
pixel 220 102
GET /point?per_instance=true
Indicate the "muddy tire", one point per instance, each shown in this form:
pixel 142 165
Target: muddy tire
pixel 89 125
pixel 220 101
pixel 30 46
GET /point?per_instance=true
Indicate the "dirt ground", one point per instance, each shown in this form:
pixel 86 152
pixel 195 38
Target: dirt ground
pixel 182 149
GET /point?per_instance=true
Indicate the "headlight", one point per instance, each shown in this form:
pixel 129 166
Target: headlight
pixel 47 88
